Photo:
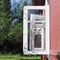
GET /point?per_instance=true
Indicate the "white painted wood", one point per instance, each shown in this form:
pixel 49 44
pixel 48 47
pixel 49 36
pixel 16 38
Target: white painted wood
pixel 25 30
pixel 33 21
pixel 35 7
pixel 38 17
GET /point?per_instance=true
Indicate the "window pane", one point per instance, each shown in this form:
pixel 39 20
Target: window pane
pixel 37 41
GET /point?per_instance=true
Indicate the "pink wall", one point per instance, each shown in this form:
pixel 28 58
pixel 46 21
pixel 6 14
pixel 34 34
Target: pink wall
pixel 55 26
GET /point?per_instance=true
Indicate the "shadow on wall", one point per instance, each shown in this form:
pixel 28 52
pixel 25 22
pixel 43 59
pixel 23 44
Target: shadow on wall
pixel 58 56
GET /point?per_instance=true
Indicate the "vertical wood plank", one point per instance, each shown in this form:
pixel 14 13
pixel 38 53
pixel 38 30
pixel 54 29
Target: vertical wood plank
pixel 43 57
pixel 54 27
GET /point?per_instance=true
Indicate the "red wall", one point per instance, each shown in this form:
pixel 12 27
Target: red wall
pixel 54 26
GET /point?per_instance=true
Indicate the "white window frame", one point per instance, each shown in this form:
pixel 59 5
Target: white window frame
pixel 33 21
pixel 25 30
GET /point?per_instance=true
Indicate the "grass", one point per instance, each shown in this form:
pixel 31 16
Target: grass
pixel 18 57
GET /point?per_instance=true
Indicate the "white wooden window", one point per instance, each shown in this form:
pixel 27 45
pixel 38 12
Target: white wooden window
pixel 35 25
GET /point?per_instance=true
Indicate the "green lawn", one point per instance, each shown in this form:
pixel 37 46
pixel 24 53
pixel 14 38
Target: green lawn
pixel 17 57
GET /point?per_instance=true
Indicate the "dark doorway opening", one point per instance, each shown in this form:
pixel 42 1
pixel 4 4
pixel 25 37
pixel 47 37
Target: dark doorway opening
pixel 38 2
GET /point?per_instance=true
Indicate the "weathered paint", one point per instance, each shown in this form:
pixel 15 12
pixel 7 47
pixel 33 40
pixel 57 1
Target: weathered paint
pixel 43 57
pixel 54 28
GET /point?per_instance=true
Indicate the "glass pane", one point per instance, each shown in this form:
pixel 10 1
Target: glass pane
pixel 37 41
pixel 28 36
pixel 36 12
